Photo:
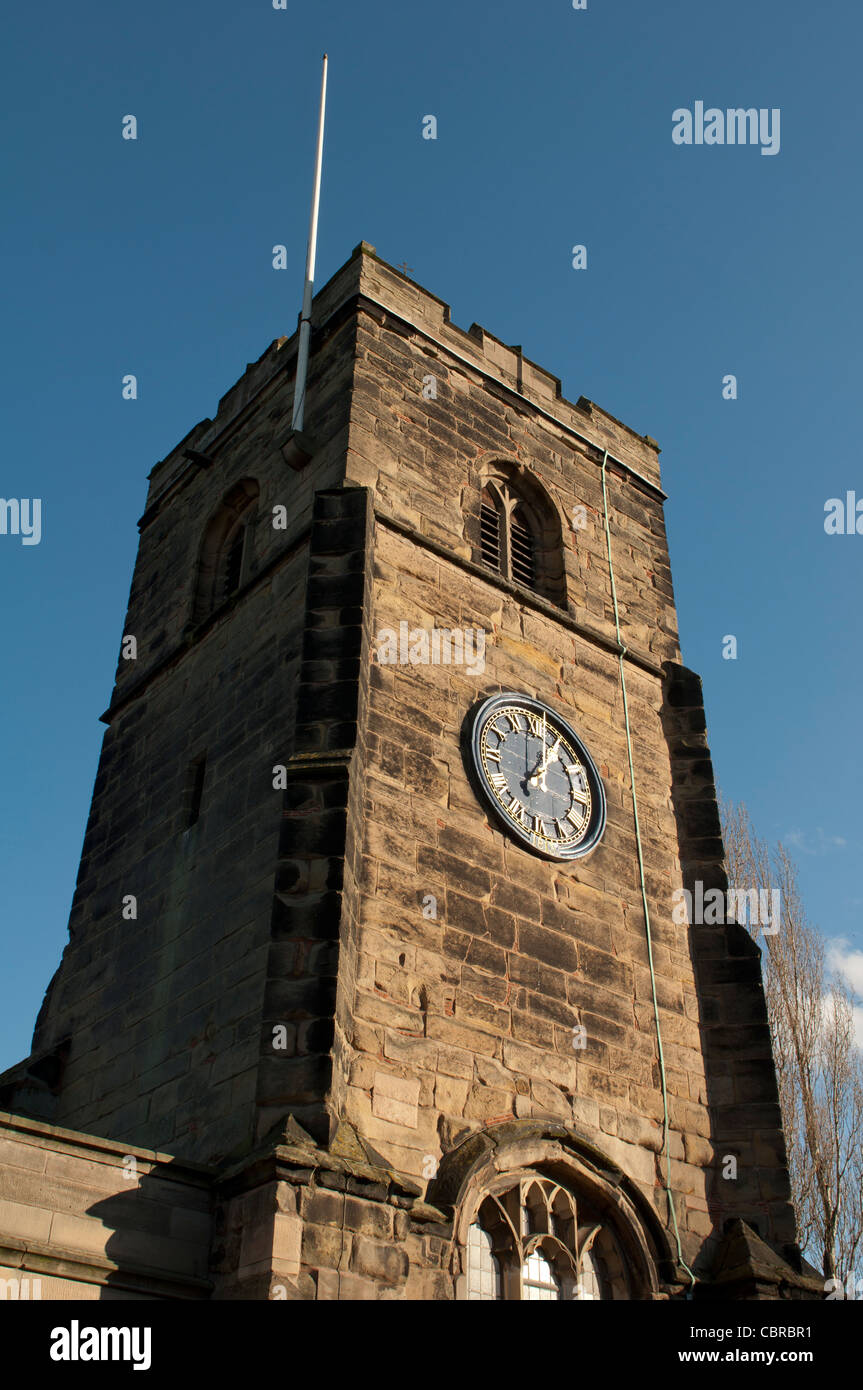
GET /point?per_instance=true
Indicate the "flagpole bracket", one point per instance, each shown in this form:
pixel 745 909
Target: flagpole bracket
pixel 298 449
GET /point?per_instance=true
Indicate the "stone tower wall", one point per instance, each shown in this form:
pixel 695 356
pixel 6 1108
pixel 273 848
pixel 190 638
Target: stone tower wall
pixel 301 908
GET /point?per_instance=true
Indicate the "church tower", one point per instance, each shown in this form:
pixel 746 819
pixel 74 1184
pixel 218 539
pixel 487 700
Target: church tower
pixel 374 962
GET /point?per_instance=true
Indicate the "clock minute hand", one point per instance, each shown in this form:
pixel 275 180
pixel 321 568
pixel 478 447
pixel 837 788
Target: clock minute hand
pixel 552 754
pixel 531 777
pixel 550 758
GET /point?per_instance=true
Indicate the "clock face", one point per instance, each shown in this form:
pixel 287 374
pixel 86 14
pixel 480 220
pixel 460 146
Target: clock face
pixel 537 776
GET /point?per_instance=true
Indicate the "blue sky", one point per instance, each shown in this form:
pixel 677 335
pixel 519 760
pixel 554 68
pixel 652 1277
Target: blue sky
pixel 554 129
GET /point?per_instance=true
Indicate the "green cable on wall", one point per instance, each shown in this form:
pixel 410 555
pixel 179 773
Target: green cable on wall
pixel 621 652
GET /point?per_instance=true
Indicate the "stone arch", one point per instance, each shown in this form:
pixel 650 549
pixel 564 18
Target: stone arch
pixel 592 1208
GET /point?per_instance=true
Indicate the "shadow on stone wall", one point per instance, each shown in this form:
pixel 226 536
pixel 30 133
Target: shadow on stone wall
pixel 742 1096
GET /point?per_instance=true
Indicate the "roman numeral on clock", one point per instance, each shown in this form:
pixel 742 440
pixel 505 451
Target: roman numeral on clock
pixel 498 781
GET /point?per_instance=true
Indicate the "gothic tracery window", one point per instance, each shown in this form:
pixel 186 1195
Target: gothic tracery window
pixel 537 1241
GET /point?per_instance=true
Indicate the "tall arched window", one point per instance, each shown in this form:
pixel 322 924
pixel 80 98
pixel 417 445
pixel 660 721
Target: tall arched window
pixel 536 1240
pixel 519 535
pixel 225 557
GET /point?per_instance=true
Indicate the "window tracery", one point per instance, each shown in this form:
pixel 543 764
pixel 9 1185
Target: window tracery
pixel 536 1240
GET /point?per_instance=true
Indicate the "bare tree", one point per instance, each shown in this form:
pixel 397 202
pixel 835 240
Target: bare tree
pixel 819 1066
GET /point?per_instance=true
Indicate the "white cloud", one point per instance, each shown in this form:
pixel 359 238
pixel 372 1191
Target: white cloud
pixel 818 843
pixel 848 961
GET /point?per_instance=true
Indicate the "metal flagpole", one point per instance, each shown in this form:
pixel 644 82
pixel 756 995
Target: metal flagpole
pixel 305 317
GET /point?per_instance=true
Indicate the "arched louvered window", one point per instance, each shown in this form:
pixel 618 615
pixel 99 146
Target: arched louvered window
pixel 225 559
pixel 507 539
pixel 519 538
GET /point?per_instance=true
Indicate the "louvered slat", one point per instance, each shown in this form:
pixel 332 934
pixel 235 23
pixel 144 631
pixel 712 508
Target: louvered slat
pixel 522 556
pixel 489 530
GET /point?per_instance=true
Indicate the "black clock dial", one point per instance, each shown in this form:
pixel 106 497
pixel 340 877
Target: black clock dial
pixel 537 776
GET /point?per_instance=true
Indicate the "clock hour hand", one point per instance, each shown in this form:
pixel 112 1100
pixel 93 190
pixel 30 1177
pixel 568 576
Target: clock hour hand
pixel 542 767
